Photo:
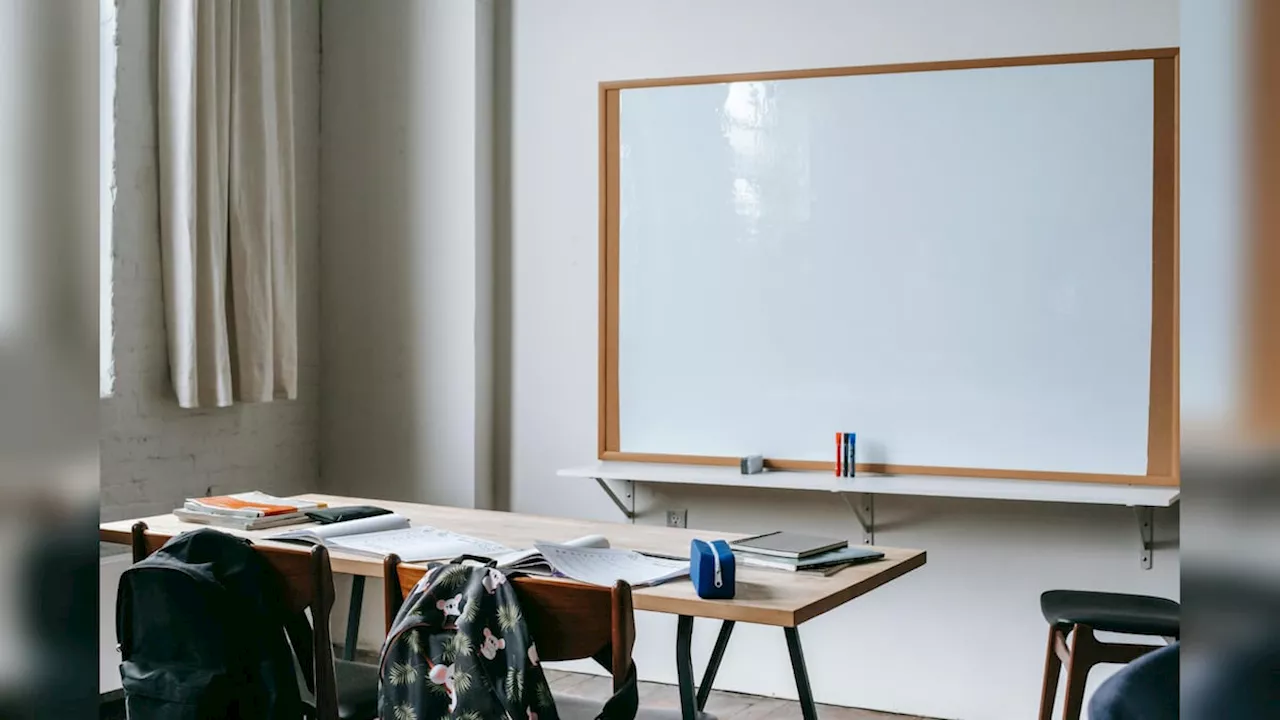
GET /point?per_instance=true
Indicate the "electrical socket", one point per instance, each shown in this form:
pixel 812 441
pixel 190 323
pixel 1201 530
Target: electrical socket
pixel 678 518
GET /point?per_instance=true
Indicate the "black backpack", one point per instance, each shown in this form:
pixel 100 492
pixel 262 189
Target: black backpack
pixel 460 648
pixel 202 630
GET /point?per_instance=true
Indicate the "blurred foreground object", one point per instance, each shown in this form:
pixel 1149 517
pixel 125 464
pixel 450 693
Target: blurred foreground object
pixel 48 358
pixel 1230 536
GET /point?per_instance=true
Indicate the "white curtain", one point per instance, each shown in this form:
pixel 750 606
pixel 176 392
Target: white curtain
pixel 227 218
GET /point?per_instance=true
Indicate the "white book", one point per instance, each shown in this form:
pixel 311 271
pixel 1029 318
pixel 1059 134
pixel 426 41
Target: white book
pixel 322 534
pixel 238 522
pixel 248 504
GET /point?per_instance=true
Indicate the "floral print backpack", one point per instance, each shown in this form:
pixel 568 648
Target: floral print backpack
pixel 459 648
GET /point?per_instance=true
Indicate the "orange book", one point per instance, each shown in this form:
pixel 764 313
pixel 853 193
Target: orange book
pixel 249 504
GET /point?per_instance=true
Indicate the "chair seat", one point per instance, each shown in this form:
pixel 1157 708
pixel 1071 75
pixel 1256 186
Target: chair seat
pixel 1111 612
pixel 572 707
pixel 357 690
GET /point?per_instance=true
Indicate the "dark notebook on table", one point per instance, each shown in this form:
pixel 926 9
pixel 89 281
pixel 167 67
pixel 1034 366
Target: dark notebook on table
pixel 787 544
pixel 841 559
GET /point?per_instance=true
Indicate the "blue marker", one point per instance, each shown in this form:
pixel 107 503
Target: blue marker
pixel 851 441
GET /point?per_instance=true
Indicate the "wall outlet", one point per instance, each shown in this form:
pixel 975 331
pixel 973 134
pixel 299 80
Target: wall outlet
pixel 678 518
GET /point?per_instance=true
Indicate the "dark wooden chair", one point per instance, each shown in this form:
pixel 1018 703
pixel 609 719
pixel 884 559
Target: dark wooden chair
pixel 1077 614
pixel 568 621
pixel 343 690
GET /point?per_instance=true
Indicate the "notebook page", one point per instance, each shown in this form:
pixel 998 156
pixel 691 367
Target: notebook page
pixel 603 566
pixel 416 544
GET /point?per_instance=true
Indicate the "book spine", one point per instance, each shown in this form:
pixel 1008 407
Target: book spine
pixel 197 506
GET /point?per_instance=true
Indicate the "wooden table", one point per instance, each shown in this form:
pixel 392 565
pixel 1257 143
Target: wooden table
pixel 764 597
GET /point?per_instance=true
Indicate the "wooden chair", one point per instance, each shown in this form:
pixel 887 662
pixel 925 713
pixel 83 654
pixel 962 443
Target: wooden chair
pixel 1079 613
pixel 568 621
pixel 343 690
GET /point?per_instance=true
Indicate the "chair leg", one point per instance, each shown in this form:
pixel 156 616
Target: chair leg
pixel 1083 657
pixel 1052 669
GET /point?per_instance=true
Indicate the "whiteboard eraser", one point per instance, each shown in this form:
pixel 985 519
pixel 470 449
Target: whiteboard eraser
pixel 751 464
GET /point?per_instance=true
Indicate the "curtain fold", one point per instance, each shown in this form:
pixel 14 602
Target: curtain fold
pixel 228 226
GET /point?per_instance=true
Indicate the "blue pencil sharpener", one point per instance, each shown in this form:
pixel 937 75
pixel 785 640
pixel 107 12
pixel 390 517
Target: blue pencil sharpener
pixel 711 569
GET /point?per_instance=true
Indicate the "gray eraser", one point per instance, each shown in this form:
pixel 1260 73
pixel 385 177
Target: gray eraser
pixel 751 464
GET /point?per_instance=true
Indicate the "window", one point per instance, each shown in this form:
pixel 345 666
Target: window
pixel 106 190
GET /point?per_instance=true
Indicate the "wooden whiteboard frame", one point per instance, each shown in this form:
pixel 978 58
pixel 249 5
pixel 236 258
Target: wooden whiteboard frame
pixel 1262 386
pixel 1163 466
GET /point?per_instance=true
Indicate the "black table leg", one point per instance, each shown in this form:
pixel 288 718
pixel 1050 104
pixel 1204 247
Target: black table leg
pixel 807 708
pixel 684 666
pixel 353 617
pixel 713 666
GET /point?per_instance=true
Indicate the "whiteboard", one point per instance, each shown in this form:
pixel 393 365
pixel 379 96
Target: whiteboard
pixel 956 265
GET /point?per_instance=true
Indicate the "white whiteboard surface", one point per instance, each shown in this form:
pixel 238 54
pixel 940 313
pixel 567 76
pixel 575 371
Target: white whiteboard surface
pixel 956 265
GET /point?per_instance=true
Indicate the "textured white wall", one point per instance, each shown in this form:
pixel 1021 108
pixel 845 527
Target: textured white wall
pixel 960 638
pixel 406 252
pixel 154 454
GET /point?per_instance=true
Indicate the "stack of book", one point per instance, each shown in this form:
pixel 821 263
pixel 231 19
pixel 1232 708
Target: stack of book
pixel 246 511
pixel 796 553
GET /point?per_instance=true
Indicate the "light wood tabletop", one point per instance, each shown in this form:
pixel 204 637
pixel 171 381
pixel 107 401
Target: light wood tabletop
pixel 766 597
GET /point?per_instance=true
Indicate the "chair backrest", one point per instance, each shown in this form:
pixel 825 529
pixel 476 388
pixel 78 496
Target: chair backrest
pixel 308 585
pixel 568 620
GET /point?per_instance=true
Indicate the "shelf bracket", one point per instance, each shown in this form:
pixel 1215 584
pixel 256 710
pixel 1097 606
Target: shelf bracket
pixel 628 508
pixel 864 508
pixel 1146 530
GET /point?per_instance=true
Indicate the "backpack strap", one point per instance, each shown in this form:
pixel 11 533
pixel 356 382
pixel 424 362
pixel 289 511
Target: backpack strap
pixel 298 630
pixel 625 702
pixel 486 562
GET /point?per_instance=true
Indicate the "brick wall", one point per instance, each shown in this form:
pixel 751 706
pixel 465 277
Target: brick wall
pixel 153 453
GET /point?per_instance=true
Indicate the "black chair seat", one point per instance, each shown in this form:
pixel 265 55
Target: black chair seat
pixel 357 690
pixel 1111 612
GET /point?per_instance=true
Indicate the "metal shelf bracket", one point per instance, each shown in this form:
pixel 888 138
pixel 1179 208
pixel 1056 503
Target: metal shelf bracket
pixel 626 503
pixel 1146 531
pixel 864 508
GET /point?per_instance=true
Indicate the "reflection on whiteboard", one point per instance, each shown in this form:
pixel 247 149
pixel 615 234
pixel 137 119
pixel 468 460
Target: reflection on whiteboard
pixel 956 265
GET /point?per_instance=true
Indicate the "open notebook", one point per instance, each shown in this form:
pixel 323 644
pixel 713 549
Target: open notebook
pixel 587 559
pixel 534 562
pixel 605 566
pixel 392 534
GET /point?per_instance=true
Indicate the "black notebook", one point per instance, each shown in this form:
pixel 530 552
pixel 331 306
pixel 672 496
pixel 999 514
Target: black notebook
pixel 788 544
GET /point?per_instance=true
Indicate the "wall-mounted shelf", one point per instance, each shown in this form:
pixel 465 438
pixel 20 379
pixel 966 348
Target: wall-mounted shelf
pixel 865 487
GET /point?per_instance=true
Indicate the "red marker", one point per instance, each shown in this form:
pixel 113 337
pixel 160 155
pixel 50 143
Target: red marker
pixel 839 456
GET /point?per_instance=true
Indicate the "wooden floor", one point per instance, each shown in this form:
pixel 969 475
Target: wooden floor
pixel 724 705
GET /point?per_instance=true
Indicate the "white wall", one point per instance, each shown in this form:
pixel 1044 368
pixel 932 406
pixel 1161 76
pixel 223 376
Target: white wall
pixel 960 638
pixel 1213 191
pixel 154 454
pixel 406 250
